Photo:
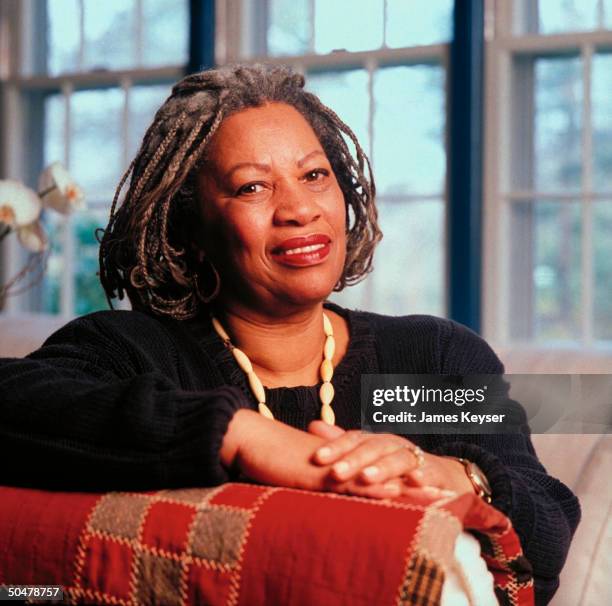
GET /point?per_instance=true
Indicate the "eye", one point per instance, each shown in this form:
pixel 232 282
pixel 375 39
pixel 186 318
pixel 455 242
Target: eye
pixel 250 189
pixel 318 174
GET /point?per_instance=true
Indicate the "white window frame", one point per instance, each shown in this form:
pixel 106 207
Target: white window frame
pixel 17 19
pixel 235 37
pixel 502 46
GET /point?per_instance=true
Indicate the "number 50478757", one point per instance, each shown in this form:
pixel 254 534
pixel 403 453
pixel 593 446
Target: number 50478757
pixel 25 592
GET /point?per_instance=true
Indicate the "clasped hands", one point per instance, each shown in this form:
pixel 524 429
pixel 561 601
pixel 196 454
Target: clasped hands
pixel 381 465
pixel 328 458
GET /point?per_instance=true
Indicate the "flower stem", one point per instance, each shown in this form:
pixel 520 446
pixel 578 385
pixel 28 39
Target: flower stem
pixel 5 230
pixel 43 193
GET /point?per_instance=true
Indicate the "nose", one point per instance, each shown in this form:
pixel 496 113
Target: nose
pixel 296 206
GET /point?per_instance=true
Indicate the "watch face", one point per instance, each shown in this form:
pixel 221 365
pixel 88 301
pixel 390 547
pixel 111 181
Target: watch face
pixel 480 479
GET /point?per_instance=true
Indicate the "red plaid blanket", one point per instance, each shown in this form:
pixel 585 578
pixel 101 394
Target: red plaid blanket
pixel 241 544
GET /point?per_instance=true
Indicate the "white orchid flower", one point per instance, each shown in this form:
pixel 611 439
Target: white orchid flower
pixel 33 237
pixel 19 205
pixel 59 191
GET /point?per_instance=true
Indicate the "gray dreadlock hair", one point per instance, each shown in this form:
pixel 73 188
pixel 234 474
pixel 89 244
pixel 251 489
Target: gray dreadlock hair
pixel 146 250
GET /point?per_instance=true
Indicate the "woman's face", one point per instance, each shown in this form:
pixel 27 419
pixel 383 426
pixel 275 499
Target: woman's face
pixel 274 214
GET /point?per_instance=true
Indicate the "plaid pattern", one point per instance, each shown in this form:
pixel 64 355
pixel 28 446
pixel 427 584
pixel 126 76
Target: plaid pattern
pixel 423 583
pixel 242 544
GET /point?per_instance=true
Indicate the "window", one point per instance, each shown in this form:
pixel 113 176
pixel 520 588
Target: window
pixel 549 152
pixel 88 86
pixel 83 93
pixel 93 81
pixel 388 84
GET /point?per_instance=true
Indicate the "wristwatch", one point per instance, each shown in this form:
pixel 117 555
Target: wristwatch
pixel 477 478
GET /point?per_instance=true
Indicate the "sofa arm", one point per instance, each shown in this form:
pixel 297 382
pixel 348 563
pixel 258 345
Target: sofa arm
pixel 248 544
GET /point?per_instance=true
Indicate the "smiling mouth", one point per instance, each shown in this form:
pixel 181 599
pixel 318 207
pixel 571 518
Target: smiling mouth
pixel 303 256
pixel 303 249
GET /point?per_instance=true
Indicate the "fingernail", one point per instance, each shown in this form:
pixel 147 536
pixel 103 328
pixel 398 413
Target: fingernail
pixel 324 453
pixel 370 471
pixel 418 473
pixel 392 489
pixel 341 467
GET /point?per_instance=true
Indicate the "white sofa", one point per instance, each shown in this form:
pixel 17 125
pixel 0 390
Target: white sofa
pixel 582 462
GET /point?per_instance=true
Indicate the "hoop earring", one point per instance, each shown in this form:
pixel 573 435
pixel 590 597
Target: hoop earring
pixel 196 284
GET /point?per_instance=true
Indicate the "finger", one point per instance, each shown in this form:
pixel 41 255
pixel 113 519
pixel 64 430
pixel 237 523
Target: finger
pixel 388 490
pixel 427 475
pixel 332 451
pixel 394 465
pixel 364 455
pixel 418 478
pixel 324 430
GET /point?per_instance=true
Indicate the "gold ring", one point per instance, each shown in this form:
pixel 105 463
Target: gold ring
pixel 417 451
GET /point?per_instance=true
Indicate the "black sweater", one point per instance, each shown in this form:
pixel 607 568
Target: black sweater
pixel 121 400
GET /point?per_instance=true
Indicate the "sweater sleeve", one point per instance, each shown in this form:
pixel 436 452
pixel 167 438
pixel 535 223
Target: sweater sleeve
pixel 95 410
pixel 544 512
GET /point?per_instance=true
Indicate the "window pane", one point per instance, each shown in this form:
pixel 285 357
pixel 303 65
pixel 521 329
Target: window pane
pixel 409 154
pixel 109 34
pixel 567 15
pixel 408 275
pixel 95 152
pixel 546 270
pixel 52 283
pixel 602 265
pixel 347 94
pixel 63 36
pixel 409 267
pixel 144 102
pixel 288 27
pixel 88 290
pixel 89 293
pixel 165 32
pixel 110 38
pixel 55 117
pixel 356 296
pixel 558 124
pixel 419 22
pixel 342 24
pixel 602 122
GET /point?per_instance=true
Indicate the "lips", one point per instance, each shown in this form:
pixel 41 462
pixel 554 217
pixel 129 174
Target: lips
pixel 303 251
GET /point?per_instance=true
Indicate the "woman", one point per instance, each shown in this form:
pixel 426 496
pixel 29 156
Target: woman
pixel 246 204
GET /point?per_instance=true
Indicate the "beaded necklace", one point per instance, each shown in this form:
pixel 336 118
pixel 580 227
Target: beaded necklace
pixel 326 392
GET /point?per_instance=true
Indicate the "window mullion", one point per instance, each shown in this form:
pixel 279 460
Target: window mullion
pixel 81 57
pixel 521 260
pixel 445 62
pixel 465 169
pixel 385 12
pixel 312 10
pixel 371 67
pixel 126 86
pixel 138 33
pixel 222 32
pixel 587 202
pixel 601 14
pixel 69 247
pixel 12 254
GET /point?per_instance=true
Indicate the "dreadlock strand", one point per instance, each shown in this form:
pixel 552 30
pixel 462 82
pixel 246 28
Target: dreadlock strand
pixel 168 250
pixel 159 152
